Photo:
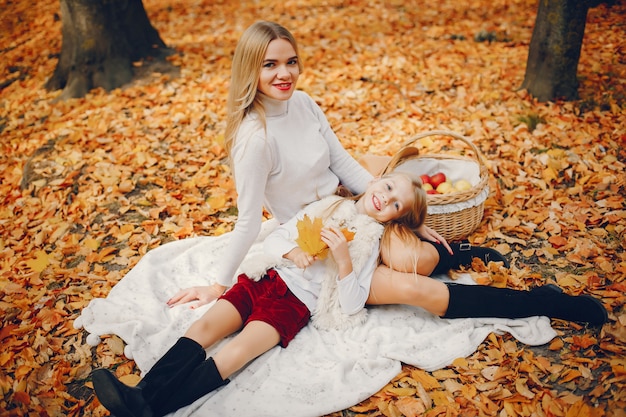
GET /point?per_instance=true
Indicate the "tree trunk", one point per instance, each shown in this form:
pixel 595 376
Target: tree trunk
pixel 555 49
pixel 101 40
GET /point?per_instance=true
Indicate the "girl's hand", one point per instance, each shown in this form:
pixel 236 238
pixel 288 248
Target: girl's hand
pixel 300 258
pixel 427 233
pixel 203 295
pixel 338 246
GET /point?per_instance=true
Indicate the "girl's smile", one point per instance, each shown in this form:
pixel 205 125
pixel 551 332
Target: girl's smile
pixel 376 202
pixel 386 198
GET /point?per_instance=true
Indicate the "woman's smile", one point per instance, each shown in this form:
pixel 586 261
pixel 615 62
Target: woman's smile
pixel 283 86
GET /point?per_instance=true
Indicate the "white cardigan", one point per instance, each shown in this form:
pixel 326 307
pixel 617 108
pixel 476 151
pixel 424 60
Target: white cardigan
pixel 334 303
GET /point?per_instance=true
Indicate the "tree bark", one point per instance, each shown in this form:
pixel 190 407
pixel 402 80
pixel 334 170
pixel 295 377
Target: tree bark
pixel 555 49
pixel 101 40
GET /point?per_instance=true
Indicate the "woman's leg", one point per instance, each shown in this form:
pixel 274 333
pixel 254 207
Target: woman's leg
pixel 450 300
pixel 392 287
pixel 548 300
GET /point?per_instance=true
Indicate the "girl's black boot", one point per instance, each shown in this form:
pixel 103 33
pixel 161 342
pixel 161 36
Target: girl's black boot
pixel 548 300
pixel 154 390
pixel 202 380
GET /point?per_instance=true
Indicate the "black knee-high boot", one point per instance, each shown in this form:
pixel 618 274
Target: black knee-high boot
pixel 154 390
pixel 203 379
pixel 463 254
pixel 548 300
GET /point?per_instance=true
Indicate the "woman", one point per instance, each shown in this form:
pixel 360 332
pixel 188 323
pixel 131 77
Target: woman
pixel 280 144
pixel 273 309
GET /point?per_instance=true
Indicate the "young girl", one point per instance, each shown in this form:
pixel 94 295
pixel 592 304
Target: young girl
pixel 275 308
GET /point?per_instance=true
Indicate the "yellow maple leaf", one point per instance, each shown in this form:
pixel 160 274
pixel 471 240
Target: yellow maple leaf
pixel 40 262
pixel 309 239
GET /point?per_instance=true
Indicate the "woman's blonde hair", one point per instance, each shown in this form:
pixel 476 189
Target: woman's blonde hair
pixel 246 68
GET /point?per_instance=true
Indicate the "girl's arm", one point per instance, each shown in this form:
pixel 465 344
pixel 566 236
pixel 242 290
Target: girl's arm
pixel 354 289
pixel 428 233
pixel 353 286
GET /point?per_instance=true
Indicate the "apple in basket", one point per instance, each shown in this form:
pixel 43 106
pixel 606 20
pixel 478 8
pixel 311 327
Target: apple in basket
pixel 445 187
pixel 462 185
pixel 425 179
pixel 437 179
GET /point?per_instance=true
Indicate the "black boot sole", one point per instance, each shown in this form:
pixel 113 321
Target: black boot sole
pixel 110 392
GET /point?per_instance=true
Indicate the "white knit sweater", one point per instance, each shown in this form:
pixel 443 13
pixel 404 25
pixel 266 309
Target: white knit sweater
pixel 295 161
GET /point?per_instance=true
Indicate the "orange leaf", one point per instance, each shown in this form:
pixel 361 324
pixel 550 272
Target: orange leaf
pixel 21 397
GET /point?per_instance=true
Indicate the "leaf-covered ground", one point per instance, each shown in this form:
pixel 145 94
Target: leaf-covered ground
pixel 90 185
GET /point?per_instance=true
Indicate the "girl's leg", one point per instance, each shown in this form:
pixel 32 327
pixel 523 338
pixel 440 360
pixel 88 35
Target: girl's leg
pixel 170 370
pixel 256 338
pixel 176 367
pixel 392 287
pixel 221 320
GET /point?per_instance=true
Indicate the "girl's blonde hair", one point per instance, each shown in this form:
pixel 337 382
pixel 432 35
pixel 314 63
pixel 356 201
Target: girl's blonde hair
pixel 413 218
pixel 246 68
pixel 406 225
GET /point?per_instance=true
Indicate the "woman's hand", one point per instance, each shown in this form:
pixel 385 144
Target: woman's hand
pixel 203 295
pixel 338 245
pixel 427 233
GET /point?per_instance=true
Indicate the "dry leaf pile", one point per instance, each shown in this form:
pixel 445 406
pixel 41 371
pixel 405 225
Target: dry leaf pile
pixel 90 185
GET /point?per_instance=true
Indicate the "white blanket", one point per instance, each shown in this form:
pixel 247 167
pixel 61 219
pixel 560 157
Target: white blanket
pixel 319 372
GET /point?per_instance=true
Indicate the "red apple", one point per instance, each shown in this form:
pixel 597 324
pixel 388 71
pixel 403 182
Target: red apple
pixel 432 192
pixel 437 179
pixel 425 179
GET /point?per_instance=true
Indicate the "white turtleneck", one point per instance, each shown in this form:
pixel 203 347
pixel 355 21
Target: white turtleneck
pixel 298 159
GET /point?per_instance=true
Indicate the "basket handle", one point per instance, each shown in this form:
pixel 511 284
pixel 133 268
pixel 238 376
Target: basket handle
pixel 407 149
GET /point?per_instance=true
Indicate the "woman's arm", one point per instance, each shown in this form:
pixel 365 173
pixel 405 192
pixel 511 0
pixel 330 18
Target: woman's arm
pixel 252 162
pixel 342 164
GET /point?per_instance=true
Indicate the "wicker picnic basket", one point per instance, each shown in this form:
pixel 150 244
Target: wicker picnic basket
pixel 453 215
